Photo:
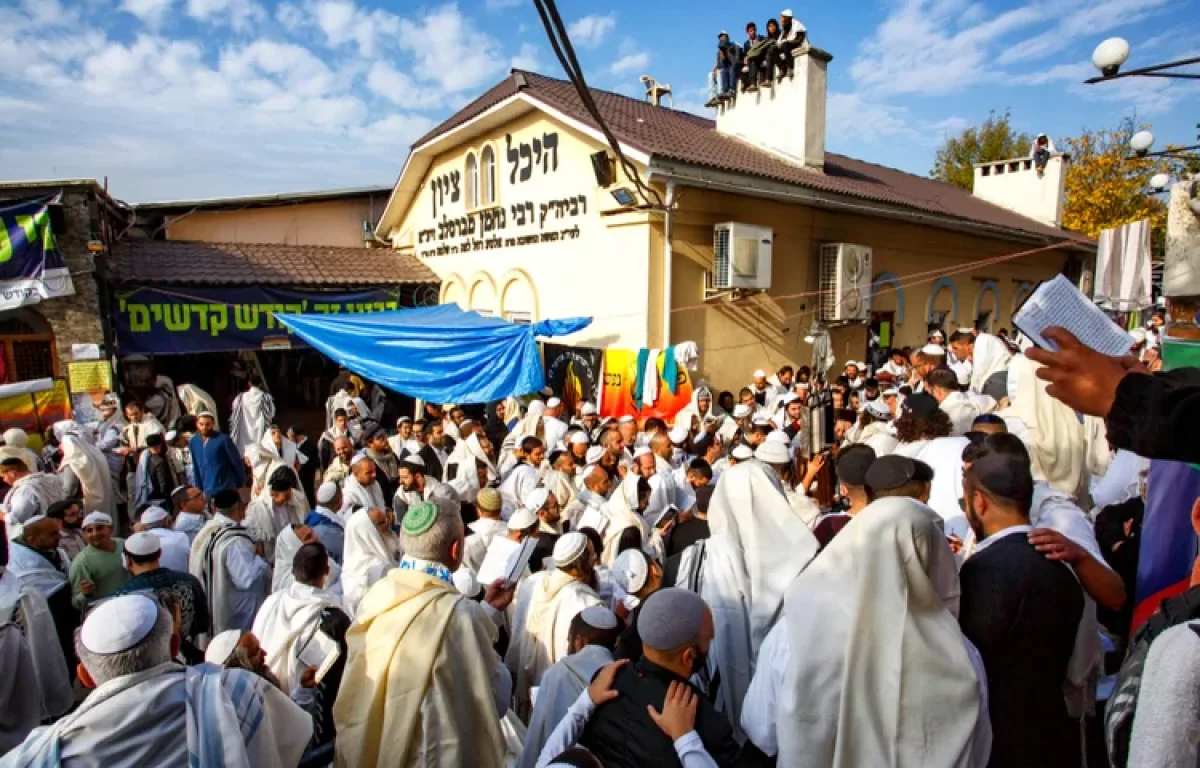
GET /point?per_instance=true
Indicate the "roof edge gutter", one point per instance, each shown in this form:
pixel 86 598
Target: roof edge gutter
pixel 705 178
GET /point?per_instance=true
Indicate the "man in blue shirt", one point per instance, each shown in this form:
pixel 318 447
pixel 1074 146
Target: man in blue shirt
pixel 215 460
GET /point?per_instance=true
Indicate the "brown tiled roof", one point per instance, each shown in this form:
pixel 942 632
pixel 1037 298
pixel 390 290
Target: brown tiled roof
pixel 668 134
pixel 196 263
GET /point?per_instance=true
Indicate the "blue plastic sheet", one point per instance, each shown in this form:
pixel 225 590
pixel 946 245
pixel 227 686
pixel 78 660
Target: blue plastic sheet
pixel 441 354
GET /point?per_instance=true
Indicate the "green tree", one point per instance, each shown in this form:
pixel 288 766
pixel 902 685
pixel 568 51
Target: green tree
pixel 992 141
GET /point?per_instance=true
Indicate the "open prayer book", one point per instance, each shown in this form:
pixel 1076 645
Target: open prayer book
pixel 505 559
pixel 320 651
pixel 1058 303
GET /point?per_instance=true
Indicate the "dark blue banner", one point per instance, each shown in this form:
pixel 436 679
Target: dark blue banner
pixel 165 321
pixel 31 265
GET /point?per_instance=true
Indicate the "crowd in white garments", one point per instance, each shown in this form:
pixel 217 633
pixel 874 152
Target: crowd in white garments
pixel 924 563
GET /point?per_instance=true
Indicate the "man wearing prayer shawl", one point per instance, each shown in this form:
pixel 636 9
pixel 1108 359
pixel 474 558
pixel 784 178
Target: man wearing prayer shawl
pixel 195 400
pixel 281 504
pixel 229 566
pixel 424 686
pixel 86 475
pixel 593 635
pixel 31 493
pixel 554 428
pixel 943 385
pixel 526 474
pixel 99 571
pixel 147 710
pixel 545 606
pixel 273 451
pixel 868 666
pixel 488 526
pixel 360 487
pixel 327 522
pixel 253 412
pixel 757 547
pixel 155 478
pixel 37 561
pixel 371 551
pixel 34 684
pixel 15 447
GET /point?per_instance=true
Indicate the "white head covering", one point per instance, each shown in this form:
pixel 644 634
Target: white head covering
pixel 630 570
pixel 594 454
pixel 365 548
pixel 772 452
pixel 933 349
pixel 222 646
pixel 741 411
pixel 599 617
pixel 97 518
pixel 19 439
pixel 742 452
pixel 521 519
pixel 466 582
pixel 154 515
pixel 1053 435
pixel 536 499
pixel 875 617
pixel 579 437
pixel 990 356
pixel 528 426
pixel 679 435
pixel 569 548
pixel 143 543
pixel 588 409
pixel 326 492
pixel 118 624
pixel 553 402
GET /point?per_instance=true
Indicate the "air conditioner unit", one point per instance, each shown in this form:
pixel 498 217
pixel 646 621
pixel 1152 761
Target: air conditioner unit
pixel 845 282
pixel 742 256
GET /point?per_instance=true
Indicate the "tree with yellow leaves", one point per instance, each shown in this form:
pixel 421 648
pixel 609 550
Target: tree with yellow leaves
pixel 1108 185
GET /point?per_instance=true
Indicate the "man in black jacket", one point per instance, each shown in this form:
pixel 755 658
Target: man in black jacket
pixel 308 469
pixel 676 628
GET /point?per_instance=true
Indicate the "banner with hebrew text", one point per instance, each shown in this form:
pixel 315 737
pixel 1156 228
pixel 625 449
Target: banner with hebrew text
pixel 162 321
pixel 31 265
pixel 620 382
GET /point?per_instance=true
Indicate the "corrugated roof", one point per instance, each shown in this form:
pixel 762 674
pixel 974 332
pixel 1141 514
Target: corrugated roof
pixel 669 134
pixel 249 201
pixel 196 263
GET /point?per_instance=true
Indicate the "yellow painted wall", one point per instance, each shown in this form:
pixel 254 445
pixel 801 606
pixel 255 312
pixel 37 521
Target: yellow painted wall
pixel 332 222
pixel 573 257
pixel 767 330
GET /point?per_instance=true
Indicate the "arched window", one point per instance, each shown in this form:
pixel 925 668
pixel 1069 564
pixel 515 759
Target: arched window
pixel 27 349
pixel 488 161
pixel 472 175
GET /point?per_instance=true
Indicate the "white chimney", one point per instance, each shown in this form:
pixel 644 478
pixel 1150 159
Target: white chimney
pixel 787 120
pixel 1015 185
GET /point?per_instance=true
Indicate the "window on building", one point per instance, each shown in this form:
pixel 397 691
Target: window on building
pixel 488 161
pixel 521 318
pixel 472 177
pixel 983 323
pixel 937 321
pixel 26 347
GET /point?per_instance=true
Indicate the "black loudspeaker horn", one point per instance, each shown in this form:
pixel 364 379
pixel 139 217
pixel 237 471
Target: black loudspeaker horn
pixel 602 165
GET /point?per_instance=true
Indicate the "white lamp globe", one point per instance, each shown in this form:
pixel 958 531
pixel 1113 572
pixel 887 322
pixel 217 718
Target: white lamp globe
pixel 1159 181
pixel 1110 55
pixel 1141 142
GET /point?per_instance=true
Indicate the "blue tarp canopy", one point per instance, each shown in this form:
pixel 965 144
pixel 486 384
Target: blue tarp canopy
pixel 442 354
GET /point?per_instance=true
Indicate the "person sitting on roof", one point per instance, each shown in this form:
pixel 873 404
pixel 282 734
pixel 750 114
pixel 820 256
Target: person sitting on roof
pixel 1043 148
pixel 729 63
pixel 758 54
pixel 792 35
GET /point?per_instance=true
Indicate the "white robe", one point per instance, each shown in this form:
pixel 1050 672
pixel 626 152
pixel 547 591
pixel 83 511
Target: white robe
pixel 546 604
pixel 235 579
pixel 265 521
pixel 353 492
pixel 483 531
pixel 878 662
pixel 253 412
pixel 962 412
pixel 91 467
pixel 944 455
pixel 755 551
pixel 368 557
pixel 176 549
pixel 35 572
pixel 523 479
pixel 561 686
pixel 286 621
pixel 31 495
pixel 169 715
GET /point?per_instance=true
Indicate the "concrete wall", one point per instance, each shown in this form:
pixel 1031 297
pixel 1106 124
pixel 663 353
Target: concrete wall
pixel 550 245
pixel 767 330
pixel 331 222
pixel 1015 185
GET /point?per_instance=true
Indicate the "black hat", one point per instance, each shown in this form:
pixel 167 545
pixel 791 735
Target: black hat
pixel 1005 476
pixel 922 405
pixel 226 499
pixel 888 472
pixel 154 440
pixel 871 383
pixel 853 463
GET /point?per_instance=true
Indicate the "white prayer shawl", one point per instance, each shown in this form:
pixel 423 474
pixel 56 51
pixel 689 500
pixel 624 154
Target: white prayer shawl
pixel 944 455
pixel 477 451
pixel 253 412
pixel 201 717
pixel 286 547
pixel 962 412
pixel 523 479
pixel 266 458
pixel 548 602
pixel 619 510
pixel 30 495
pixel 135 434
pixel 176 549
pixel 754 552
pixel 15 448
pixel 353 492
pixel 878 662
pixel 368 556
pixel 983 403
pixel 880 437
pixel 1052 434
pixel 561 486
pixel 213 562
pixel 1121 482
pixel 554 431
pixel 196 401
pixel 466 480
pixel 265 524
pixel 990 356
pixel 190 523
pixel 692 409
pixel 34 685
pixel 141 480
pixel 561 686
pixel 286 621
pixel 483 531
pixel 35 572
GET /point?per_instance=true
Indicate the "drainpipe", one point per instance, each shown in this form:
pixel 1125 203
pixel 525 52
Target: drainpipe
pixel 668 257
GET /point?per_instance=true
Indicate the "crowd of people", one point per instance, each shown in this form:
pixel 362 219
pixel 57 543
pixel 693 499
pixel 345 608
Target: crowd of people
pixel 916 564
pixel 760 62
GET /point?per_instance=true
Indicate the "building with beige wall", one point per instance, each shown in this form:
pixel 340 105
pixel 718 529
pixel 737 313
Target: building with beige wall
pixel 343 218
pixel 519 205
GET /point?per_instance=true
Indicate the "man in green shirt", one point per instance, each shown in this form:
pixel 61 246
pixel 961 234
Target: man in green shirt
pixel 99 571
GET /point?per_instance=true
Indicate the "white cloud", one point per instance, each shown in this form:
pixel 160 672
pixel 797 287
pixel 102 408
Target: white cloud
pixel 150 12
pixel 290 16
pixel 450 50
pixel 850 116
pixel 399 88
pixel 238 14
pixel 395 130
pixel 1070 73
pixel 343 22
pixel 632 62
pixel 500 5
pixel 527 58
pixel 50 12
pixel 590 31
pixel 1090 21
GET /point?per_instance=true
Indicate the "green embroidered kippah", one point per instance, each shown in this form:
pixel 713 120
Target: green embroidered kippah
pixel 420 518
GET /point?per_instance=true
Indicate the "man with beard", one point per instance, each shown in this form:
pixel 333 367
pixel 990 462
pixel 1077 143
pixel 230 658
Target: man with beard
pixel 387 463
pixel 434 449
pixel 143 553
pixel 338 469
pixel 238 649
pixel 99 571
pixel 415 485
pixel 70 514
pixel 31 495
pixel 37 561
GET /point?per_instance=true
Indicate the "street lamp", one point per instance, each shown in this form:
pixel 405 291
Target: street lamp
pixel 1141 142
pixel 1113 52
pixel 1159 181
pixel 1110 55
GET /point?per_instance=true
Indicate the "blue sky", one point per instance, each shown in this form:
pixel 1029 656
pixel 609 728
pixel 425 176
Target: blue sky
pixel 179 99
